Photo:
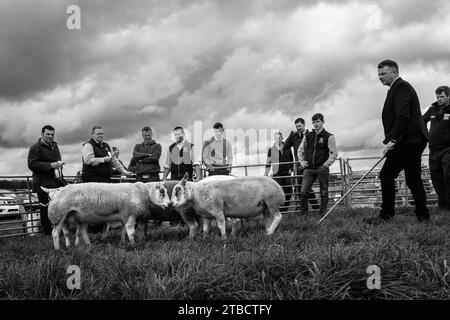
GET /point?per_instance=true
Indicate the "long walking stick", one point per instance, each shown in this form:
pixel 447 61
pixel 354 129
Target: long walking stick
pixel 353 187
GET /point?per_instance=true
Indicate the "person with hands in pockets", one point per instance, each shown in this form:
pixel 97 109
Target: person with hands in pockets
pixel 316 154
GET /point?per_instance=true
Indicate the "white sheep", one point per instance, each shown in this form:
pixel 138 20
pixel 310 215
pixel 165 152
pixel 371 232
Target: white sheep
pixel 94 203
pixel 243 197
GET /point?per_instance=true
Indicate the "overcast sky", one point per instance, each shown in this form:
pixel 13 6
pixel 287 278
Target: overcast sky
pixel 248 64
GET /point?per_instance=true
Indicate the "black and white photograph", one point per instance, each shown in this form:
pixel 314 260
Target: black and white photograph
pixel 224 157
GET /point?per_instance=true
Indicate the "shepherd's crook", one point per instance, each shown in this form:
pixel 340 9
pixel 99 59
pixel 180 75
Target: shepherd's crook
pixel 353 187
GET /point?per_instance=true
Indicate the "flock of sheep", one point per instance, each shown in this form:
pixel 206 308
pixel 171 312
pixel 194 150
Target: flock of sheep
pixel 213 198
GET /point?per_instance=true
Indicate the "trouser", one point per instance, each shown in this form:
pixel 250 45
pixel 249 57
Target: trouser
pixel 286 184
pixel 297 189
pixel 439 161
pixel 407 157
pixel 43 209
pixel 148 177
pixel 311 196
pixel 309 176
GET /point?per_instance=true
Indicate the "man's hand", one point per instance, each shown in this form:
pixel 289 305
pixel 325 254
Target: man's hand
pixel 390 145
pixel 304 164
pixel 128 173
pixel 107 159
pixel 57 164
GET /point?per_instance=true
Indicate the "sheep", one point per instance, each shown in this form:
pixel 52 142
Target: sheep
pixel 167 214
pixel 92 203
pixel 242 197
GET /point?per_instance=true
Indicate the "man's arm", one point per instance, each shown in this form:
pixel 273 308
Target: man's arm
pixel 268 162
pixel 301 153
pixel 156 154
pixel 290 159
pixel 117 165
pixel 132 165
pixel 402 105
pixel 34 162
pixel 89 157
pixel 167 165
pixel 206 157
pixel 427 115
pixel 333 151
pixel 229 155
pixel 137 154
pixel 288 144
pixel 150 157
pixel 196 164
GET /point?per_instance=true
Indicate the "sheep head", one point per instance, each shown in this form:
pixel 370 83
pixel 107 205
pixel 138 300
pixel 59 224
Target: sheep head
pixel 181 192
pixel 158 194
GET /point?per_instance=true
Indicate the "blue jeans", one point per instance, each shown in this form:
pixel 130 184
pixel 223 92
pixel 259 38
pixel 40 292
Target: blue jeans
pixel 309 176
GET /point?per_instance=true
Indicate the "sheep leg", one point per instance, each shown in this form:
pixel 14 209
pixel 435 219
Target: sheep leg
pixel 193 226
pixel 206 227
pixel 235 226
pixel 220 219
pixel 55 235
pixel 84 234
pixel 190 220
pixel 142 230
pixel 145 230
pixel 106 227
pixel 129 226
pixel 66 235
pixel 123 233
pixel 275 216
pixel 78 235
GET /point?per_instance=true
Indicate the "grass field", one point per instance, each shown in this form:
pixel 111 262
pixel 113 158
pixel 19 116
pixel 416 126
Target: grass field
pixel 300 261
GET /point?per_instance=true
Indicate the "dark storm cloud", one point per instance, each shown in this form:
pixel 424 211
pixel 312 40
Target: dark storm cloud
pixel 167 63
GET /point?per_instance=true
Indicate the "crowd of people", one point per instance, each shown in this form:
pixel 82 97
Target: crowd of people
pixel 305 154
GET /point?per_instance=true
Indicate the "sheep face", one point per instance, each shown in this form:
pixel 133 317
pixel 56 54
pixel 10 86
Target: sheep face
pixel 181 193
pixel 158 194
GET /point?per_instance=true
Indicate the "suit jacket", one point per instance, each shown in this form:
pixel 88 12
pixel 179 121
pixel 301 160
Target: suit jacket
pixel 402 118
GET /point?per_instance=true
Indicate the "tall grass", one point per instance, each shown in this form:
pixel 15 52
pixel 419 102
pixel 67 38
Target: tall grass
pixel 301 260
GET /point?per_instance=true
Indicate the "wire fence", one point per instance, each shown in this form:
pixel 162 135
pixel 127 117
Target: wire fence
pixel 19 206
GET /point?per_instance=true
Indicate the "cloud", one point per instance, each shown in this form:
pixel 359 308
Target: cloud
pixel 250 64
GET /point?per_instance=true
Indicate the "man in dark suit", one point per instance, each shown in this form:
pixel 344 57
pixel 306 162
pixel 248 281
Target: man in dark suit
pixel 406 137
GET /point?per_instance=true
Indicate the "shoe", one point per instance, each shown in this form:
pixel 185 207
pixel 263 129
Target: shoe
pixel 377 220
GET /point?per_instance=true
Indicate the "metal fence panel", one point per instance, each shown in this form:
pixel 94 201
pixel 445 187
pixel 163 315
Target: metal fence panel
pixel 19 207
